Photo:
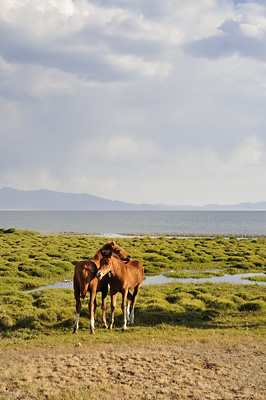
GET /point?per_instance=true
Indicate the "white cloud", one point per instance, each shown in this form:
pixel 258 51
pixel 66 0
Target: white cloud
pixel 136 101
pixel 242 33
pixel 248 152
pixel 94 42
pixel 115 151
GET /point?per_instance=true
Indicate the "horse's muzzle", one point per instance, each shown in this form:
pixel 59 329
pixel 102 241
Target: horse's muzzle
pixel 98 275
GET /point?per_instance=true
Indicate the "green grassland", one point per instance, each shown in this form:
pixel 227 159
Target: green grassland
pixel 29 260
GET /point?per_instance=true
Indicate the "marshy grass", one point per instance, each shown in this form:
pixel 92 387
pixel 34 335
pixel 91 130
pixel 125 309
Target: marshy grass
pixel 28 260
pixel 27 255
pixel 193 274
pixel 257 278
pixel 203 307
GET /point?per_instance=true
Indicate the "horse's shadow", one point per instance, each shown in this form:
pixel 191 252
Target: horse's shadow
pixel 155 316
pixel 208 319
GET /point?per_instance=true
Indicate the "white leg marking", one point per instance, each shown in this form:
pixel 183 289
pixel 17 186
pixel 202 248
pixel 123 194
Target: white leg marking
pixel 132 316
pixel 128 311
pixel 125 320
pixel 77 321
pixel 112 323
pixel 92 323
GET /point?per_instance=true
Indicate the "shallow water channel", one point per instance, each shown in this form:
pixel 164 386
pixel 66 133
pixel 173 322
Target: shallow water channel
pixel 160 279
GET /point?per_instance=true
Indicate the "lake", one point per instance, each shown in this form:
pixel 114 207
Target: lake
pixel 161 279
pixel 115 223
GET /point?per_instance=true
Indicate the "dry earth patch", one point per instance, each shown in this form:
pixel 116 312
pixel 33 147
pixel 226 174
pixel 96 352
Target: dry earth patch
pixel 197 370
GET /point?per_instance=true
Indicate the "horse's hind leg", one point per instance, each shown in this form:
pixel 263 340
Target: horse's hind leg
pixel 76 325
pixel 78 306
pixel 113 303
pixel 124 309
pixel 134 299
pixel 129 302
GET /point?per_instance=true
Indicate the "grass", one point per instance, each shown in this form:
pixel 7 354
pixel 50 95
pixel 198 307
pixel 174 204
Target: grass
pixel 193 274
pixel 257 278
pixel 28 260
pixel 47 316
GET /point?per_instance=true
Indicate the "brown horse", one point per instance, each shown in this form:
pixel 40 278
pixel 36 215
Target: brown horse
pixel 85 280
pixel 123 277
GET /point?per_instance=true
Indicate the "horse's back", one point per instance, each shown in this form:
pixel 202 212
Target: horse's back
pixel 136 264
pixel 136 272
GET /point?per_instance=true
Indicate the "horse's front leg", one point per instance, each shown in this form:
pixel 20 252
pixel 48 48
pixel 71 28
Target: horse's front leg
pixel 124 309
pixel 104 297
pixel 92 306
pixel 113 303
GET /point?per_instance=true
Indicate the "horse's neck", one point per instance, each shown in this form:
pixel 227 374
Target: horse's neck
pixel 97 258
pixel 116 269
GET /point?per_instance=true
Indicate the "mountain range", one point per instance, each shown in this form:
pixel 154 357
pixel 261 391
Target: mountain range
pixel 13 199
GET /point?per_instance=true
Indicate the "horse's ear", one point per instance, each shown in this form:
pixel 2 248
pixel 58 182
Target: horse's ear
pixel 113 244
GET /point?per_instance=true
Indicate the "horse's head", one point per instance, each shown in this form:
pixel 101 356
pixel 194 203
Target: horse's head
pixel 115 250
pixel 105 264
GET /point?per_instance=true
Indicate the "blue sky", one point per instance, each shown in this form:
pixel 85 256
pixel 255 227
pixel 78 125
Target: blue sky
pixel 139 101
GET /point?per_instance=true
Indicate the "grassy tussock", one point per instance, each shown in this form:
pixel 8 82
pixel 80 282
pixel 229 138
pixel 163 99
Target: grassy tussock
pixel 28 260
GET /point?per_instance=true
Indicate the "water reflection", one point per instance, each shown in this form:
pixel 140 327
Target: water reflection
pixel 237 279
pixel 160 279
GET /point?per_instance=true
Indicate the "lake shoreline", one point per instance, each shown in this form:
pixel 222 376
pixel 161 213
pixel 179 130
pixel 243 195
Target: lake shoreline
pixel 151 234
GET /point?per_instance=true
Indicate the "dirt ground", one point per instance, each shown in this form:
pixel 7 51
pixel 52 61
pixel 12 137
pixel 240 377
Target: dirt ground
pixel 190 370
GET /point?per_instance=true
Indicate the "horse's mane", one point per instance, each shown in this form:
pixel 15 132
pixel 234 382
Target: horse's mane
pixel 98 255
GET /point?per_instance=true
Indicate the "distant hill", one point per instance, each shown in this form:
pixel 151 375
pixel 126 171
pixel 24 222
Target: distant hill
pixel 13 199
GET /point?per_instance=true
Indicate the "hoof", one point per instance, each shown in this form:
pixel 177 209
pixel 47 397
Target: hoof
pixel 75 330
pixel 92 332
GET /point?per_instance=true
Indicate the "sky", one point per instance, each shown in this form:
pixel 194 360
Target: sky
pixel 141 101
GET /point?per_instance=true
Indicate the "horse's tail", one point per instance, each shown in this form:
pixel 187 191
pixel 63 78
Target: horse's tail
pixel 76 287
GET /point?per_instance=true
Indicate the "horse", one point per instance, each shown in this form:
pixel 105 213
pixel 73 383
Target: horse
pixel 123 278
pixel 85 280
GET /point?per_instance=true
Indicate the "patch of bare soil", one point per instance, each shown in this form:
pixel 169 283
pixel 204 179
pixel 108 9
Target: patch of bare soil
pixel 193 370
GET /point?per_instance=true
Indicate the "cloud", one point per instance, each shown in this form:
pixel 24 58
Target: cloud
pixel 136 101
pixel 243 35
pixel 96 43
pixel 249 152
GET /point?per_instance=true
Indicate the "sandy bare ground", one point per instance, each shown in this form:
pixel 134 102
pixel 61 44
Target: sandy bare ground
pixel 190 370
